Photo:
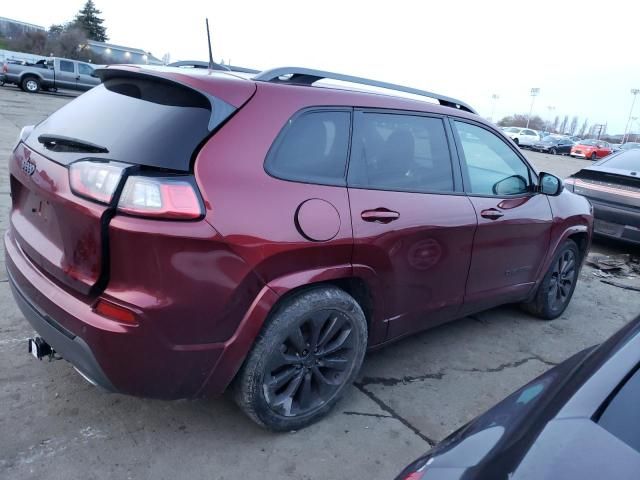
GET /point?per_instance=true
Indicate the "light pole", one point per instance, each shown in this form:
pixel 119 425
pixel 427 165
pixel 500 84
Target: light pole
pixel 634 92
pixel 534 94
pixel 495 98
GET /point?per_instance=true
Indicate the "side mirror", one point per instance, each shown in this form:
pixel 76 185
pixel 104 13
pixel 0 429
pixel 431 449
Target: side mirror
pixel 550 184
pixel 512 185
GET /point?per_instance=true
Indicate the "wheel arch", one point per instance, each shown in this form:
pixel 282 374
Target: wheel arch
pixel 236 349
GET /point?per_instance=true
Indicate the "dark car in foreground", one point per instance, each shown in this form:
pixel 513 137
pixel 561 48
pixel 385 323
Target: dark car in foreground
pixel 612 185
pixel 214 229
pixel 578 421
pixel 554 145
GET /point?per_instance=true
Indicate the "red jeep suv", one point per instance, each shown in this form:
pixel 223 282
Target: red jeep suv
pixel 179 232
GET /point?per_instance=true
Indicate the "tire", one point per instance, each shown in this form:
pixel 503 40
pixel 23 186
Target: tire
pixel 516 141
pixel 30 84
pixel 550 300
pixel 286 382
pixel 594 156
pixel 553 151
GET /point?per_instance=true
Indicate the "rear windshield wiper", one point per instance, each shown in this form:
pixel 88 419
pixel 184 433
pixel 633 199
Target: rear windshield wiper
pixel 59 143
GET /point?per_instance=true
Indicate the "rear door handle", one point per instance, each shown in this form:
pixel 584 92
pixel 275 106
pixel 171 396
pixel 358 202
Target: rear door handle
pixel 491 213
pixel 379 215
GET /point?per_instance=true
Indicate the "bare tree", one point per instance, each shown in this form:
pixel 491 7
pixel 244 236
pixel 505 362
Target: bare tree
pixel 556 122
pixel 518 120
pixel 563 125
pixel 583 128
pixel 30 42
pixel 574 125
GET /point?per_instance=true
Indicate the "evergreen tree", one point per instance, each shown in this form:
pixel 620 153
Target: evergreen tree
pixel 88 20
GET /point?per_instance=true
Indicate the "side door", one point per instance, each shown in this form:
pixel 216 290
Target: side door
pixel 564 146
pixel 514 222
pixel 65 74
pixel 412 224
pixel 85 79
pixel 531 137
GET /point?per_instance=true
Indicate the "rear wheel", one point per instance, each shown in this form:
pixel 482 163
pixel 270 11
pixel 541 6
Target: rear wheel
pixel 553 151
pixel 556 289
pixel 516 141
pixel 594 156
pixel 310 350
pixel 30 84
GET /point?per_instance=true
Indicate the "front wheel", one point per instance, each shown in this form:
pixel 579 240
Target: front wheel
pixel 594 156
pixel 553 151
pixel 557 287
pixel 309 351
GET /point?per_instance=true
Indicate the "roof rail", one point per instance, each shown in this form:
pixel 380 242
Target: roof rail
pixel 307 76
pixel 216 66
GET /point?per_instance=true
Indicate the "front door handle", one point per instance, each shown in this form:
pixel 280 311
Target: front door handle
pixel 491 213
pixel 379 215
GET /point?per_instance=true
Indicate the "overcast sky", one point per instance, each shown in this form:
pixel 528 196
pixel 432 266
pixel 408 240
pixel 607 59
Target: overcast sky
pixel 584 57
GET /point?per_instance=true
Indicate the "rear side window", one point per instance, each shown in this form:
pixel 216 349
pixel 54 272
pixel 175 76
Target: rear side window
pixel 66 66
pixel 621 417
pixel 312 147
pixel 400 153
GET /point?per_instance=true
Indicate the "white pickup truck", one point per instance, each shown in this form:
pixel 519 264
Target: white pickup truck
pixel 49 74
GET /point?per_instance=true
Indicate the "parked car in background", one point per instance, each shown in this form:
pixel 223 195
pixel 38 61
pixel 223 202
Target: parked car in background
pixel 612 185
pixel 615 147
pixel 629 146
pixel 591 149
pixel 50 74
pixel 554 144
pixel 578 421
pixel 523 137
pixel 144 256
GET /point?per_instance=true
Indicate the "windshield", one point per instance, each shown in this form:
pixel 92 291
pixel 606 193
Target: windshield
pixel 588 142
pixel 624 161
pixel 551 139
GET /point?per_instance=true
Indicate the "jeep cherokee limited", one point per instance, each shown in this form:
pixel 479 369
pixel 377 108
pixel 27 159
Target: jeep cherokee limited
pixel 180 232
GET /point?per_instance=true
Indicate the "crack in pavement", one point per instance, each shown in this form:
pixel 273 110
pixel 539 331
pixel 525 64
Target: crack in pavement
pixel 393 413
pixel 365 414
pixel 390 381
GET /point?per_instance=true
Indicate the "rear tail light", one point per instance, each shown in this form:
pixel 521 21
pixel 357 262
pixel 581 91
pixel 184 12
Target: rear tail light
pixel 96 180
pixel 5 67
pixel 170 198
pixel 569 184
pixel 115 312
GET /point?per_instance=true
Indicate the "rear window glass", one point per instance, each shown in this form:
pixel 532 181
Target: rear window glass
pixel 621 417
pixel 138 120
pixel 312 148
pixel 629 160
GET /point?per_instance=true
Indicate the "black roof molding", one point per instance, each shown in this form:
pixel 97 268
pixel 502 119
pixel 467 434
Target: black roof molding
pixel 307 76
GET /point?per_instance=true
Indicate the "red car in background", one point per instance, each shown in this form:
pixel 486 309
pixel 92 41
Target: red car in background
pixel 591 149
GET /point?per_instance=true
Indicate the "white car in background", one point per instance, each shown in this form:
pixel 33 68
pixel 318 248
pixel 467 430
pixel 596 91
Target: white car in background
pixel 523 137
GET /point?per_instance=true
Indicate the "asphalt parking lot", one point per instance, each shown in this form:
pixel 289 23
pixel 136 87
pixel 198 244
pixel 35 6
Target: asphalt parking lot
pixel 54 425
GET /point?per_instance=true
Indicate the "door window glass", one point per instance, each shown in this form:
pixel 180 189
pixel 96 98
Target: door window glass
pixel 491 163
pixel 84 69
pixel 400 153
pixel 66 66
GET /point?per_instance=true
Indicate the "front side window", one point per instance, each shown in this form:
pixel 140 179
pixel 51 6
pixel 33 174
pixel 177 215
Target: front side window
pixel 66 66
pixel 400 153
pixel 492 167
pixel 84 69
pixel 312 148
